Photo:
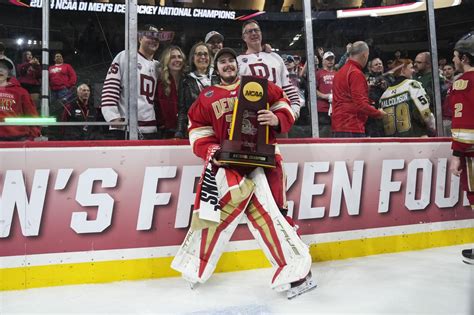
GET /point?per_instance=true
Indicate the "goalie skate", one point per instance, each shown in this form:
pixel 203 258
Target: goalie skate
pixel 300 287
pixel 468 256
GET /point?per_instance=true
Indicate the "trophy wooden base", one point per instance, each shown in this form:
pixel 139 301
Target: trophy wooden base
pixel 232 152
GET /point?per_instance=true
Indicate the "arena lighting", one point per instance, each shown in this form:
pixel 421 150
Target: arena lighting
pixel 396 9
pixel 30 120
pixel 29 42
pixel 19 41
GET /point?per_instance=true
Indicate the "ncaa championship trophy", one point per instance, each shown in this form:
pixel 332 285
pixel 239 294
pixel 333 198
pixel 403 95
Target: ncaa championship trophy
pixel 248 140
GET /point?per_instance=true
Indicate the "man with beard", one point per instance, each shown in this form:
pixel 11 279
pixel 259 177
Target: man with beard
pixel 237 191
pixel 461 99
pixel 15 102
pixel 114 106
pixel 423 70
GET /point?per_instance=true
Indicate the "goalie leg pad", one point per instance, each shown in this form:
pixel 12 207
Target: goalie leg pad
pixel 279 241
pixel 198 255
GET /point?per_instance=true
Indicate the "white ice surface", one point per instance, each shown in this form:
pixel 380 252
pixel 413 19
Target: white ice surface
pixel 433 281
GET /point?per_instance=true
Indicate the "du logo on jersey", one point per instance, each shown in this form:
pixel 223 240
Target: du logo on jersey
pixel 460 85
pixel 253 91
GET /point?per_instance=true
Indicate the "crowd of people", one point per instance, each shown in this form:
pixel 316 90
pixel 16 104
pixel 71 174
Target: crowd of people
pixel 356 97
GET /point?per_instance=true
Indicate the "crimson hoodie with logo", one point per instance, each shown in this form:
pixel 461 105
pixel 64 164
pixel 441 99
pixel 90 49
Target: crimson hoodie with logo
pixel 16 102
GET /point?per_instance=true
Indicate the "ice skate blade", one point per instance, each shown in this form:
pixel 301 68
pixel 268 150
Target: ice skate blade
pixel 193 285
pixel 468 261
pixel 301 289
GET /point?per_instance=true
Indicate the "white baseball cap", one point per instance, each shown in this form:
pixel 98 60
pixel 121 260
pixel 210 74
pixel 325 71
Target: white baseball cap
pixel 328 54
pixel 211 34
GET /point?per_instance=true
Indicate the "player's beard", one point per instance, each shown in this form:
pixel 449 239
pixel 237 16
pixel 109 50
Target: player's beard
pixel 229 79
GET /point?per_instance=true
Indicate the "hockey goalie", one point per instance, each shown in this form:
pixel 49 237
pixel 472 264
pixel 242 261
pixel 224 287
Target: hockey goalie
pixel 227 194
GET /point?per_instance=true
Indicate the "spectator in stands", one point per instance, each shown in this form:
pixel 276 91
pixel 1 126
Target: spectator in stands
pixel 258 62
pixel 351 105
pixel 441 63
pixel 407 105
pixel 193 83
pixel 294 77
pixel 81 109
pixel 461 99
pixel 378 83
pixel 172 64
pixel 114 106
pixel 397 55
pixel 15 102
pixel 298 65
pixel 62 78
pixel 324 81
pixel 29 75
pixel 3 56
pixel 423 74
pixel 214 42
pixel 448 74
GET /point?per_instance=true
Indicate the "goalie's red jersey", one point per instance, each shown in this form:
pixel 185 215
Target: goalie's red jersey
pixel 210 116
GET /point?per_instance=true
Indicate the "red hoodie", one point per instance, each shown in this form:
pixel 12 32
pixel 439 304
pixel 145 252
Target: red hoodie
pixel 351 106
pixel 16 102
pixel 61 77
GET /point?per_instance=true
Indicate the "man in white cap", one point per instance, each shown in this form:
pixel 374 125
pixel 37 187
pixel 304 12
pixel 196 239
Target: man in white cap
pixel 114 106
pixel 324 79
pixel 214 41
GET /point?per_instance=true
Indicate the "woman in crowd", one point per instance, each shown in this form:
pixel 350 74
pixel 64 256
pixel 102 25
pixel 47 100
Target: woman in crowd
pixel 172 64
pixel 29 75
pixel 193 83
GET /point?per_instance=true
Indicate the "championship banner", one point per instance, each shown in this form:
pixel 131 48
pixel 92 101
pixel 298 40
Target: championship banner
pixel 106 7
pixel 97 213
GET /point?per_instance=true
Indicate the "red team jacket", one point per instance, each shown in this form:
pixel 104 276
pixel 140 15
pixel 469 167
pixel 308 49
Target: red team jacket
pixel 16 102
pixel 61 77
pixel 461 99
pixel 351 106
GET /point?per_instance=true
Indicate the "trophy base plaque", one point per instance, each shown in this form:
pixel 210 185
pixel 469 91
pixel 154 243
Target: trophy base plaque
pixel 232 152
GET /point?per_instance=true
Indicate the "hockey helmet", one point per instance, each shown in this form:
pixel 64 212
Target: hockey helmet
pixel 466 44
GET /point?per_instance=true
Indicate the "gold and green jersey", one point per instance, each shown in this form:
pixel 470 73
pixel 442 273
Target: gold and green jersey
pixel 408 110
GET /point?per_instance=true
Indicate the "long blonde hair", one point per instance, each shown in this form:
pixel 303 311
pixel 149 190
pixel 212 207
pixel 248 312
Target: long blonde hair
pixel 165 75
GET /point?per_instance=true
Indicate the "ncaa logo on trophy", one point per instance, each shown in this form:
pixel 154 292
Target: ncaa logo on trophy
pixel 248 140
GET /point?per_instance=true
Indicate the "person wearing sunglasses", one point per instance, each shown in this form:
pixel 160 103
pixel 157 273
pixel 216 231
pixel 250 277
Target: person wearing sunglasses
pixel 114 106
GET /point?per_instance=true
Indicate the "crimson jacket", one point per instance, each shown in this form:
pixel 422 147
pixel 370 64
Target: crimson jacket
pixel 351 106
pixel 167 107
pixel 16 102
pixel 61 77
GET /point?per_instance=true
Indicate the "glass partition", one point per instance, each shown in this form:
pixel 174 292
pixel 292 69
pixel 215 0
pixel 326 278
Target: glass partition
pixel 89 35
